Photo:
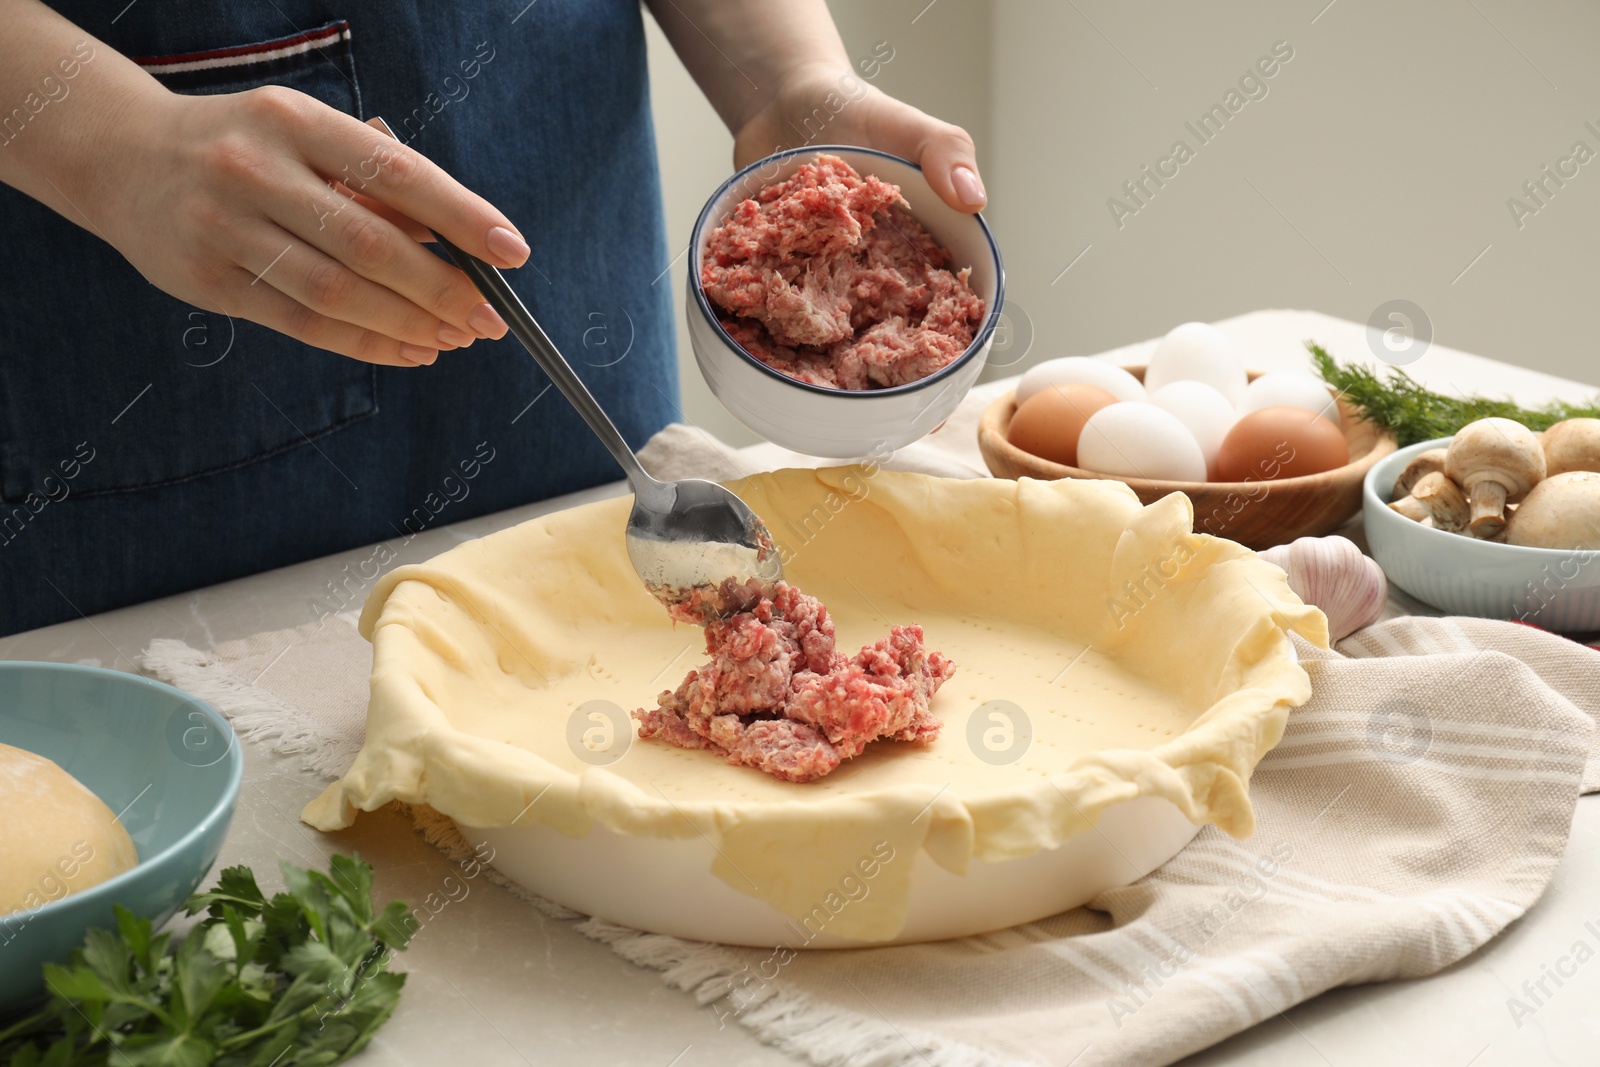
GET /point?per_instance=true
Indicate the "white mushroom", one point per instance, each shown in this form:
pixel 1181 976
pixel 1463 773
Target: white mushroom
pixel 1563 511
pixel 1572 445
pixel 1437 500
pixel 1422 463
pixel 1495 461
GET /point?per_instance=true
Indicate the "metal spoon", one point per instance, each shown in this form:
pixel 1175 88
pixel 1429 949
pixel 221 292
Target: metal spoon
pixel 684 538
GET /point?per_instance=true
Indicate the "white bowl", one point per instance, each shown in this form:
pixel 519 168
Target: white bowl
pixel 842 423
pixel 1558 589
pixel 601 873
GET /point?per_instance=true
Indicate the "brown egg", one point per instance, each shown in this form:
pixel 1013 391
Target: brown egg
pixel 1050 421
pixel 1280 442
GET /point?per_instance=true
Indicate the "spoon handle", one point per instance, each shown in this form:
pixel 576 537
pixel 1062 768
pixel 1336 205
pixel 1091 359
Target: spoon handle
pixel 498 292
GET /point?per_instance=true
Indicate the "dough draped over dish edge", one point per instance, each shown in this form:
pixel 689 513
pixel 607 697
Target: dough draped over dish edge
pixel 1223 614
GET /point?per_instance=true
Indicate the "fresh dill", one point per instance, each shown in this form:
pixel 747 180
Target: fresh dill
pixel 1400 404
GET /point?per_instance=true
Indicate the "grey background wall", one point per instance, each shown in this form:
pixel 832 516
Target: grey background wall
pixel 1375 164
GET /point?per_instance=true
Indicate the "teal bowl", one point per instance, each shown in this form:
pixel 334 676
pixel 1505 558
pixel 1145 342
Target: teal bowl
pixel 1555 588
pixel 167 761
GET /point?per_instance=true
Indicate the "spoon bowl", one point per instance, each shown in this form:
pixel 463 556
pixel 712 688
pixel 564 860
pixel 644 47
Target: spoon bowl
pixel 695 534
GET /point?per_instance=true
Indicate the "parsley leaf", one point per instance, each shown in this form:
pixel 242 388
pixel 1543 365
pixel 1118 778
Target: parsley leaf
pixel 299 979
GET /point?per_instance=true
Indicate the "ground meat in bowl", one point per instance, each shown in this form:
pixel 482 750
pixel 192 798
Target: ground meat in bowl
pixel 826 277
pixel 779 697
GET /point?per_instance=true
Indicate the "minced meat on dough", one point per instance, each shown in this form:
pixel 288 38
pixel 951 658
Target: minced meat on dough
pixel 778 696
pixel 826 277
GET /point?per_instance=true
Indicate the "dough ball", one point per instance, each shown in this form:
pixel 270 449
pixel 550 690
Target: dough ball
pixel 59 838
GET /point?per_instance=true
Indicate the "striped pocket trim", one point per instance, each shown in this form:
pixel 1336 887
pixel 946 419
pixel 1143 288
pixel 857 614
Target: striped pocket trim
pixel 246 55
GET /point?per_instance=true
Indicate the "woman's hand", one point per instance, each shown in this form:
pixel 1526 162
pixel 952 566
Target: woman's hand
pixel 271 206
pixel 778 75
pixel 828 104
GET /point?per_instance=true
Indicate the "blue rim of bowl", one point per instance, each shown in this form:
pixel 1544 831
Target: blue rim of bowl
pixel 222 809
pixel 1369 489
pixel 981 339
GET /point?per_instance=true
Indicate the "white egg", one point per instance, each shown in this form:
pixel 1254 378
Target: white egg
pixel 1292 389
pixel 1136 439
pixel 1204 412
pixel 1197 352
pixel 1108 376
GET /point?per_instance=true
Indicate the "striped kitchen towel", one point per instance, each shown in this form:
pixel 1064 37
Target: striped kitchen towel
pixel 1418 804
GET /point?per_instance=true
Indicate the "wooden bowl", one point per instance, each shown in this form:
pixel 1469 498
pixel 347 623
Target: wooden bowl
pixel 1257 514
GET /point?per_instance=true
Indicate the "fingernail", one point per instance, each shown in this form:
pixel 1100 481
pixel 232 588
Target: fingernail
pixel 418 354
pixel 507 245
pixel 968 187
pixel 486 321
pixel 450 335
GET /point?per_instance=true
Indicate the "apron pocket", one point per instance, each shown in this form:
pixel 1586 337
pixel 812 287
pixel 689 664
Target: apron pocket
pixel 317 62
pixel 136 389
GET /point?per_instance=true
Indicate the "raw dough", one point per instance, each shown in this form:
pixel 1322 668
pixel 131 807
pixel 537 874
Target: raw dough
pixel 59 837
pixel 1149 660
pixel 826 277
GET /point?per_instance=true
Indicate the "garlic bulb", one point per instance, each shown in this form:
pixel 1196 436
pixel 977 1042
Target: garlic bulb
pixel 1331 573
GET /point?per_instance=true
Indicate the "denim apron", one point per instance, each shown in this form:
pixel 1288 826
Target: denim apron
pixel 148 448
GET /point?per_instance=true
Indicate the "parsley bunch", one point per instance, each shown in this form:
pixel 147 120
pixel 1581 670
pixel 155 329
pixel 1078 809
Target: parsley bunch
pixel 294 981
pixel 1401 405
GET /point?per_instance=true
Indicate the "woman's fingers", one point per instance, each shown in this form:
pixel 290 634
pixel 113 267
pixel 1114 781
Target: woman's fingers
pixel 950 162
pixel 376 165
pixel 944 152
pixel 261 303
pixel 434 301
pixel 329 287
pixel 406 224
pixel 482 319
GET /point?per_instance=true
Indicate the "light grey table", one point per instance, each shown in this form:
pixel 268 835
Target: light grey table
pixel 495 983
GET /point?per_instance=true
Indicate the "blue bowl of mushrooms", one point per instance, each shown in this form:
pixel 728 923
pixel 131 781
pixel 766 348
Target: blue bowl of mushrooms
pixel 1497 521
